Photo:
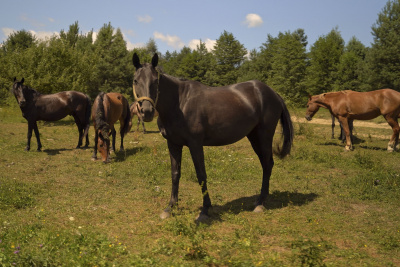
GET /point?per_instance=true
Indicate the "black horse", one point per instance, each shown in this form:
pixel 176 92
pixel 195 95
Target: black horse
pixel 52 107
pixel 195 115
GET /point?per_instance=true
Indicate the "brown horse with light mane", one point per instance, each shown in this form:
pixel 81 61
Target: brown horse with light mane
pixel 351 105
pixel 107 110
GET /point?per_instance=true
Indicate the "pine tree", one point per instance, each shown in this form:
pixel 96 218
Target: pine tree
pixel 384 56
pixel 324 61
pixel 229 54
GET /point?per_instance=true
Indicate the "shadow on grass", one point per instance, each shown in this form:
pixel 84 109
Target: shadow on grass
pixel 52 152
pixel 122 155
pixel 276 200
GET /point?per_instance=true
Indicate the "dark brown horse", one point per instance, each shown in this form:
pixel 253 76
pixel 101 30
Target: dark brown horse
pixel 107 110
pixel 195 115
pixel 351 105
pixel 53 107
pixel 134 108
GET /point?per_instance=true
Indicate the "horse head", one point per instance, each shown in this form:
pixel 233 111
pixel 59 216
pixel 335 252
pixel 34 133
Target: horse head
pixel 103 145
pixel 19 91
pixel 145 86
pixel 312 106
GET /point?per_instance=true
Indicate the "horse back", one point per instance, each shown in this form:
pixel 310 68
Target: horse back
pixel 53 107
pixel 224 115
pixel 115 107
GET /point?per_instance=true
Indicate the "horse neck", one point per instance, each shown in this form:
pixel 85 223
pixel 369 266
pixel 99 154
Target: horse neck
pixel 169 94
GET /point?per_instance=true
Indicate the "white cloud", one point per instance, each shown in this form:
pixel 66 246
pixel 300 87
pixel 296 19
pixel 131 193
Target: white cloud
pixel 7 31
pixel 51 19
pixel 39 35
pixel 145 19
pixel 173 41
pixel 43 35
pixel 209 44
pixel 253 20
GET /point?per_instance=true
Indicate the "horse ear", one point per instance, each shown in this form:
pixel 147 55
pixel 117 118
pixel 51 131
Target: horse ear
pixel 309 96
pixel 136 61
pixel 15 78
pixel 22 81
pixel 154 60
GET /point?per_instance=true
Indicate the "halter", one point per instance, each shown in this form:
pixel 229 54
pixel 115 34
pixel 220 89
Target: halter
pixel 138 99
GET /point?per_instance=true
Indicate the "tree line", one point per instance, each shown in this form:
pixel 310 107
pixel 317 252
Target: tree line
pixel 74 61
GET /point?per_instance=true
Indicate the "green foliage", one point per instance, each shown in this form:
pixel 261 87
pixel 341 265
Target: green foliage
pixel 287 64
pixel 229 54
pixel 384 56
pixel 309 253
pixel 349 72
pixel 324 61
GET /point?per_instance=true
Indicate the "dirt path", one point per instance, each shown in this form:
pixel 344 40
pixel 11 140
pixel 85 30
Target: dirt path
pixel 356 123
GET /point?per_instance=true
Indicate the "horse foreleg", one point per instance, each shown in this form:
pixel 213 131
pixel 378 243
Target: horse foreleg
pixel 197 153
pixel 333 126
pixel 175 154
pixel 345 125
pixel 394 140
pixel 28 137
pixel 36 130
pixel 113 133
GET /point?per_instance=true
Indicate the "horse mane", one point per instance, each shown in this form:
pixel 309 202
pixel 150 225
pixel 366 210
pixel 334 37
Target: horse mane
pixel 100 120
pixel 32 92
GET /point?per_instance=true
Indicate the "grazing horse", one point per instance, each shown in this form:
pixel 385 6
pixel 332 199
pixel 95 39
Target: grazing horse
pixel 52 107
pixel 134 108
pixel 195 115
pixel 107 109
pixel 351 105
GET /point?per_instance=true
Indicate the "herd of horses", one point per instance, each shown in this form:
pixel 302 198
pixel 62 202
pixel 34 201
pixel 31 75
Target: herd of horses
pixel 195 115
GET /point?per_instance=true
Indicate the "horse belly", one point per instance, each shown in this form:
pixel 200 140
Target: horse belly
pixel 228 132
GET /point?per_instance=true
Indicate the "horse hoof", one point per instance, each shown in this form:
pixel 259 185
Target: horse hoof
pixel 259 208
pixel 164 215
pixel 94 159
pixel 202 218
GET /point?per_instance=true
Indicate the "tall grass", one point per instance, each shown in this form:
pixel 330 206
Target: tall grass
pixel 326 206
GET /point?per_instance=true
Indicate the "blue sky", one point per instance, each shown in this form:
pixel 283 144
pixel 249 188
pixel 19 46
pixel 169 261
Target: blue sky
pixel 177 23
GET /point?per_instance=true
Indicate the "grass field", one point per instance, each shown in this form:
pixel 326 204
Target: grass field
pixel 326 206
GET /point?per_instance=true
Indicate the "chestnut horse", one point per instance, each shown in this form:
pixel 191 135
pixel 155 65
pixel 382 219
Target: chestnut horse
pixel 107 109
pixel 195 115
pixel 52 107
pixel 351 105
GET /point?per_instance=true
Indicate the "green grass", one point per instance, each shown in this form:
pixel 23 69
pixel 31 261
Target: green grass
pixel 327 207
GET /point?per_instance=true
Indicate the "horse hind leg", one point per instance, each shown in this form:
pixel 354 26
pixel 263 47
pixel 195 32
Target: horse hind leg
pixel 80 131
pixel 394 140
pixel 262 146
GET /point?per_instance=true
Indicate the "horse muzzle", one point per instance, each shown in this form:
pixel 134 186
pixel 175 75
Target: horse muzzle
pixel 147 111
pixel 308 117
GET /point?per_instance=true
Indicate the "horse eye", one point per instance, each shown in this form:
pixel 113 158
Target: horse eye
pixel 135 82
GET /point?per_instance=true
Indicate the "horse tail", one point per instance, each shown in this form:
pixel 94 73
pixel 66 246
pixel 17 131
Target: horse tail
pixel 87 115
pixel 128 118
pixel 287 132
